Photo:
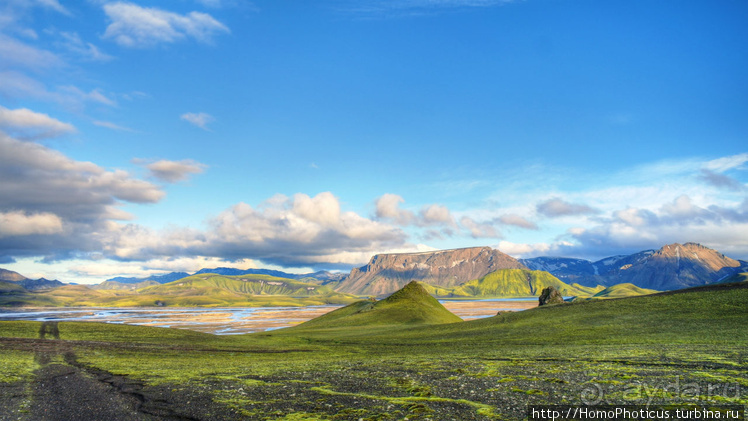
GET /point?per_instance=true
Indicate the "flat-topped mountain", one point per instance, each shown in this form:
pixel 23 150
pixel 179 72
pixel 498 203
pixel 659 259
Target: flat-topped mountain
pixel 674 266
pixel 386 273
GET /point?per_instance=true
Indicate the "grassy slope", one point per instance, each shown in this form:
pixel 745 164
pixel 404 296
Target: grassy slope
pixel 697 316
pixel 511 283
pixel 623 290
pixel 493 367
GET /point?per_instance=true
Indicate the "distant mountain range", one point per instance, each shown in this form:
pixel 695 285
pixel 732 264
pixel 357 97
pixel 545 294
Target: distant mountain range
pixel 29 284
pixel 674 266
pixel 460 273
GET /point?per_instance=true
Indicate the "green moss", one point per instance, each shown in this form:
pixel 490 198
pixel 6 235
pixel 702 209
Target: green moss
pixel 16 366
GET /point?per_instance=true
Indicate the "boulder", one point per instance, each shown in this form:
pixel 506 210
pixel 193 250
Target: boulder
pixel 550 295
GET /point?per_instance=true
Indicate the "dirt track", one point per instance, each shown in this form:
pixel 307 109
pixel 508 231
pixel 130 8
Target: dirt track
pixel 65 390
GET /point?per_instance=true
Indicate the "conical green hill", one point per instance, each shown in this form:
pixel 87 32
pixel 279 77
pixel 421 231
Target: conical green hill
pixel 411 305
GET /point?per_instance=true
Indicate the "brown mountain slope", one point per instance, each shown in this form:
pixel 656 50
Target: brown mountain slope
pixel 387 273
pixel 9 275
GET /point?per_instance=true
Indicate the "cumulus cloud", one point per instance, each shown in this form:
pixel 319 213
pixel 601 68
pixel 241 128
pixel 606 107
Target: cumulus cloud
pixel 517 221
pixel 173 171
pixel 388 207
pixel 42 187
pixel 26 124
pixel 680 220
pixel 200 120
pixel 137 27
pixel 557 207
pixel 20 223
pixel 435 215
pixel 298 231
pixel 479 229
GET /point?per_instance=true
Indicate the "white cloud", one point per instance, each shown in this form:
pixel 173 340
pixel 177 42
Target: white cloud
pixel 726 163
pixel 173 171
pixel 113 126
pixel 15 54
pixel 479 230
pixel 39 182
pixel 200 120
pixel 20 223
pixel 137 27
pixel 72 42
pixel 27 124
pixel 301 231
pixel 517 221
pixel 388 207
pixel 94 95
pixel 436 215
pixel 557 207
pixel 17 85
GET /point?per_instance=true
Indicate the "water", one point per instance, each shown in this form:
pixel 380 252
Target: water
pixel 233 321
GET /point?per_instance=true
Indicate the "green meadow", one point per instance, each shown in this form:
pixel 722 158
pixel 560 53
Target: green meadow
pixel 403 357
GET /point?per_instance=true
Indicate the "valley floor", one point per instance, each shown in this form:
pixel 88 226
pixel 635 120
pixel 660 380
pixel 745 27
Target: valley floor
pixel 58 379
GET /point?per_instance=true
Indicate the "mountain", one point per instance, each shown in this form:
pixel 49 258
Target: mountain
pixel 9 275
pixel 411 305
pixel 197 290
pixel 386 273
pixel 41 283
pixel 160 279
pixel 510 283
pixel 26 283
pixel 115 285
pixel 208 283
pixel 674 266
pixel 323 275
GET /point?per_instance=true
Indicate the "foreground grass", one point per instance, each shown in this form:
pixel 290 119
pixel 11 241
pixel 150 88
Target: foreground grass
pixel 636 351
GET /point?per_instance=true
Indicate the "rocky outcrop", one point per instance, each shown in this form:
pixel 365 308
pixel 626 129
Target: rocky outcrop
pixel 387 273
pixel 674 266
pixel 550 295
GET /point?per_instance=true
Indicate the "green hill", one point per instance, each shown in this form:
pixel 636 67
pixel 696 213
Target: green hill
pixel 623 290
pixel 510 283
pixel 209 290
pixel 208 283
pixel 411 305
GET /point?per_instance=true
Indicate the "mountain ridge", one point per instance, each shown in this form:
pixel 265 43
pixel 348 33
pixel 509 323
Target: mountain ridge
pixel 673 266
pixel 386 273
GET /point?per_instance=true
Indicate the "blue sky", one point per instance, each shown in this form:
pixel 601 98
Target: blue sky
pixel 142 137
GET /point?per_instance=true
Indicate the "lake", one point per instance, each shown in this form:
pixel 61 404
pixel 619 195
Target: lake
pixel 233 321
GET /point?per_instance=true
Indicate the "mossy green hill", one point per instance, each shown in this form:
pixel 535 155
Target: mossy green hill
pixel 411 305
pixel 623 290
pixel 510 283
